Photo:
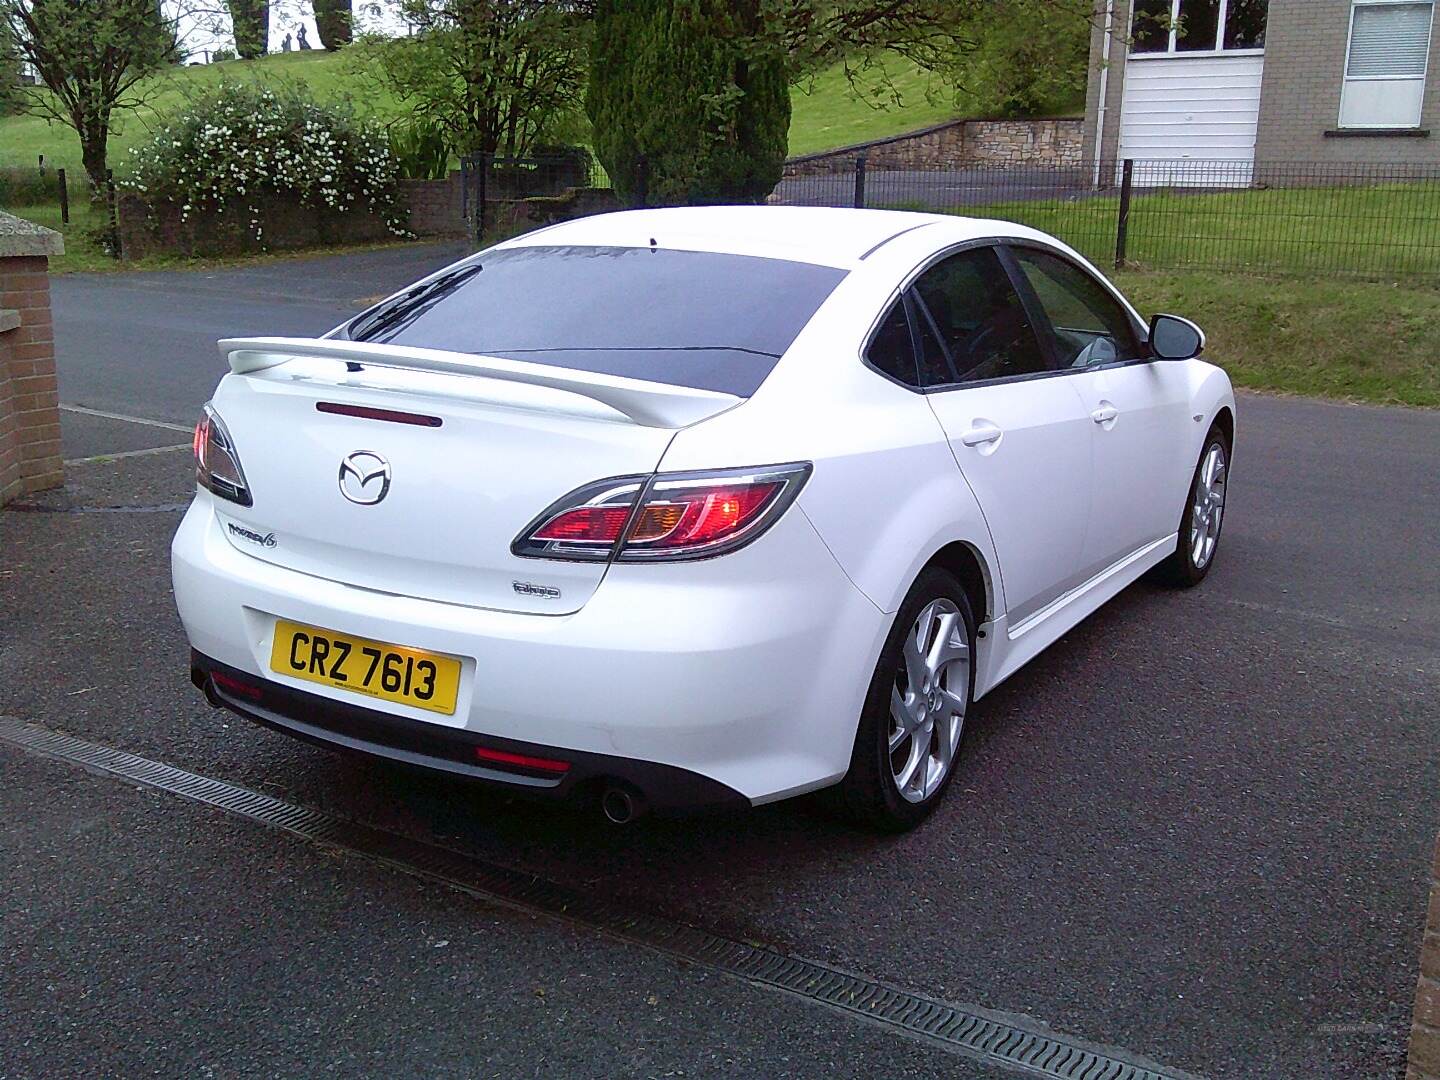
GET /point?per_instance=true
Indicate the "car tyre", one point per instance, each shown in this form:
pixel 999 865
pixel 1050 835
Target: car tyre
pixel 1198 540
pixel 913 724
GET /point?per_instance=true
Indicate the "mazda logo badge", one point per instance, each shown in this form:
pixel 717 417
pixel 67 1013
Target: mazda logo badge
pixel 364 477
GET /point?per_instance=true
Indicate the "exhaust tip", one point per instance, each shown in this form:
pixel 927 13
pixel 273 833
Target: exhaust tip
pixel 212 695
pixel 620 805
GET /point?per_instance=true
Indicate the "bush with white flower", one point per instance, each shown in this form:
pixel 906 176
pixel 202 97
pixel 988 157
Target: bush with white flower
pixel 241 144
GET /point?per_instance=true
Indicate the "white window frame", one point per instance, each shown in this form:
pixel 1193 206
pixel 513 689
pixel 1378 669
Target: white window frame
pixel 1170 52
pixel 1347 78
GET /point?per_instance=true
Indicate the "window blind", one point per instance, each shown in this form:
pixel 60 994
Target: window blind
pixel 1389 40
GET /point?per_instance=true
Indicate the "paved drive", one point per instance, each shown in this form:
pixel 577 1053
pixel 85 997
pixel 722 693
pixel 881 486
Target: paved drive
pixel 1197 829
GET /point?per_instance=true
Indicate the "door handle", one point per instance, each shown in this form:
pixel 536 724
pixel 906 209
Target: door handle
pixel 981 434
pixel 1105 414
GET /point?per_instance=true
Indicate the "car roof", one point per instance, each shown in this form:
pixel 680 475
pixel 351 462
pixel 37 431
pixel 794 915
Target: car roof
pixel 829 236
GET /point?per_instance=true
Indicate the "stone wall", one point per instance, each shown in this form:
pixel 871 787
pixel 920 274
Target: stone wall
pixel 1425 1032
pixel 29 399
pixel 957 144
pixel 285 225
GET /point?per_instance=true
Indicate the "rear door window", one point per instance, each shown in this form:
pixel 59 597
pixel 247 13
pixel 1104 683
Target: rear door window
pixel 981 329
pixel 891 349
pixel 688 318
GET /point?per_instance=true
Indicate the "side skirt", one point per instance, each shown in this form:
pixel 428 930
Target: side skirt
pixel 1017 645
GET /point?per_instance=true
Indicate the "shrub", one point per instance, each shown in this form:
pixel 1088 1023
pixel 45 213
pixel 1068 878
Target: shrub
pixel 421 148
pixel 241 144
pixel 26 186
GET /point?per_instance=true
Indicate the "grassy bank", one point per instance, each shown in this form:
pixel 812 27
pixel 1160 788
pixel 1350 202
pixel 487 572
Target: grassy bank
pixel 1353 340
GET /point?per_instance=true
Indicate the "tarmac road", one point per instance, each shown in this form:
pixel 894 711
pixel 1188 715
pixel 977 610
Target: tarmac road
pixel 1197 829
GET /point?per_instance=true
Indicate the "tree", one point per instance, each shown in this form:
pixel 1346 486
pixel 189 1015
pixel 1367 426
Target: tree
pixel 334 19
pixel 1029 56
pixel 251 22
pixel 93 57
pixel 9 73
pixel 689 100
pixel 495 74
pixel 690 86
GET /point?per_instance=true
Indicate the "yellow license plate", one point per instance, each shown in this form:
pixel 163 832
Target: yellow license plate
pixel 373 668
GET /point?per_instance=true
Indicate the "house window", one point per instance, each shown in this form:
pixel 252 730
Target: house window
pixel 1386 64
pixel 1198 26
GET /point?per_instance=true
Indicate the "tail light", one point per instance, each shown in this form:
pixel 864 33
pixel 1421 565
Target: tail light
pixel 668 516
pixel 217 465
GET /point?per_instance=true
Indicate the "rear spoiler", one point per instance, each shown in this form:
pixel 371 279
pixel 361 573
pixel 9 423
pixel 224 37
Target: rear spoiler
pixel 649 404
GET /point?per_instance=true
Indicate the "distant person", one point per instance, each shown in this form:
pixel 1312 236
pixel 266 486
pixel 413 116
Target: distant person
pixel 301 37
pixel 289 45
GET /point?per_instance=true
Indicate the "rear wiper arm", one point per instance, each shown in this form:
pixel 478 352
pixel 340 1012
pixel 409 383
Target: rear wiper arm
pixel 409 303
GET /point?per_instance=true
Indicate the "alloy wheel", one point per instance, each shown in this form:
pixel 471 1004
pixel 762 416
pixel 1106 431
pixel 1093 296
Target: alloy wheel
pixel 928 701
pixel 1208 507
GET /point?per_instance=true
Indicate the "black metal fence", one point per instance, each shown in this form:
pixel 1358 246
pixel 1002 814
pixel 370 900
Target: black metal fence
pixel 1364 220
pixel 493 178
pixel 1280 217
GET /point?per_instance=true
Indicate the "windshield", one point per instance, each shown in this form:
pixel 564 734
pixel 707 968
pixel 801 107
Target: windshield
pixel 687 318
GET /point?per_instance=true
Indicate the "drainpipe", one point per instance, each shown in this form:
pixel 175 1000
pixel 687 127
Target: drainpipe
pixel 1100 109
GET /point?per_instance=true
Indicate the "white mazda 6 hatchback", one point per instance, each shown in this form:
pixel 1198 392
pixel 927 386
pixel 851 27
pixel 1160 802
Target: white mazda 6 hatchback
pixel 694 507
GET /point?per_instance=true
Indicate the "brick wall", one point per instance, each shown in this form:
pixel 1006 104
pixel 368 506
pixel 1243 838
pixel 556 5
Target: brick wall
pixel 1305 47
pixel 1425 1034
pixel 435 206
pixel 506 217
pixel 29 402
pixel 285 224
pixel 957 144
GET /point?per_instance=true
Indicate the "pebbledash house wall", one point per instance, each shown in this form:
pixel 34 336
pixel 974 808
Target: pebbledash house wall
pixel 29 398
pixel 957 144
pixel 1305 48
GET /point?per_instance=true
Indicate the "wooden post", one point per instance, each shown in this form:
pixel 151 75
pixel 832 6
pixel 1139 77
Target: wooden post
pixel 64 197
pixel 860 182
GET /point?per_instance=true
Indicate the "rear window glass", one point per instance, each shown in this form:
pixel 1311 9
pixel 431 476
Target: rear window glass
pixel 687 318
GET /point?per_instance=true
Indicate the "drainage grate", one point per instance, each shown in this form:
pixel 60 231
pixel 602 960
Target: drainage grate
pixel 34 508
pixel 994 1038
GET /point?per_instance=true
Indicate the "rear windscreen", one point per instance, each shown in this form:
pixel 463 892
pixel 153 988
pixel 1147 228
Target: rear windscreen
pixel 688 318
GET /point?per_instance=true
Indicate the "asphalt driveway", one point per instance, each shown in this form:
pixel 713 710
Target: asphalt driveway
pixel 1197 829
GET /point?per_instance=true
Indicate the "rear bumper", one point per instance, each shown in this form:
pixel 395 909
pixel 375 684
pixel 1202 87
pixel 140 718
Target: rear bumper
pixel 744 675
pixel 342 726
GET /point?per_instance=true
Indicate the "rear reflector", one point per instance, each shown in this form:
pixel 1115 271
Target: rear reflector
pixel 521 761
pixel 390 416
pixel 235 686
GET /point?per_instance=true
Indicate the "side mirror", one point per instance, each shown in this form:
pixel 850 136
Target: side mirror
pixel 1174 338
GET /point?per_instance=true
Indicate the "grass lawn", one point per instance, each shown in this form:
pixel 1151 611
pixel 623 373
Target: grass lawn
pixel 826 113
pixel 1354 340
pixel 1373 230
